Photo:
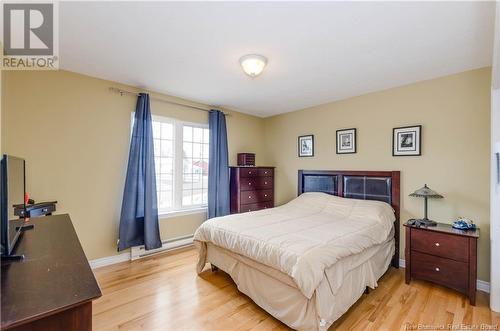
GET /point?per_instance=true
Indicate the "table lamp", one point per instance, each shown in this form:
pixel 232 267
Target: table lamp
pixel 426 193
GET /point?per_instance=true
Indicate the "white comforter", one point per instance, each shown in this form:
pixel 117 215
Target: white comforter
pixel 303 237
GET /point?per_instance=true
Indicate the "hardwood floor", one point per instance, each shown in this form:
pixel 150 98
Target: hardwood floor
pixel 165 293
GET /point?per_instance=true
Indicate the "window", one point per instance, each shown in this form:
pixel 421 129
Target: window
pixel 194 165
pixel 181 163
pixel 164 150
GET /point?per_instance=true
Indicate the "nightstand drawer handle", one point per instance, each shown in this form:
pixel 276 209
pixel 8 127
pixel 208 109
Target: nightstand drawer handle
pixel 265 195
pixel 249 197
pixel 249 172
pixel 249 184
pixel 437 269
pixel 437 244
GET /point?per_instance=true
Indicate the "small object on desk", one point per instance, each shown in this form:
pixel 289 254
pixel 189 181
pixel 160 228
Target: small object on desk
pixel 464 223
pixel 443 255
pixel 35 209
pixel 426 193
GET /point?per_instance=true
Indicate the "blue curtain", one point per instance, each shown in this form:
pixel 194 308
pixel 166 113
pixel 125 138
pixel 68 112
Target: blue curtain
pixel 139 216
pixel 218 170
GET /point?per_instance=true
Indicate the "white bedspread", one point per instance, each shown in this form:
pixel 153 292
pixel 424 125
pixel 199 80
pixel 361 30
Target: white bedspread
pixel 303 237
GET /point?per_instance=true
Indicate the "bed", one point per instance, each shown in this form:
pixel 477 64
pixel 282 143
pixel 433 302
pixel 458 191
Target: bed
pixel 308 261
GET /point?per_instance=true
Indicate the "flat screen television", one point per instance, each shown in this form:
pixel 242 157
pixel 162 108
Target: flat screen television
pixel 13 188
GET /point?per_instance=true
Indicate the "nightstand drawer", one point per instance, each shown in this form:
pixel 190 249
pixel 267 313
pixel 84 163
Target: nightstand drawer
pixel 439 270
pixel 439 244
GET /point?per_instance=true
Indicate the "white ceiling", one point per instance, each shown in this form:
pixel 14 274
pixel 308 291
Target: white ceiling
pixel 318 52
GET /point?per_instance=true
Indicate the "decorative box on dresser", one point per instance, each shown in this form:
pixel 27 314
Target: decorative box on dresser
pixel 443 255
pixel 252 188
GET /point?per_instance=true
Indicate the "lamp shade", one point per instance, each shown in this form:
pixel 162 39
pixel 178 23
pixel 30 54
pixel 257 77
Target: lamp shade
pixel 426 192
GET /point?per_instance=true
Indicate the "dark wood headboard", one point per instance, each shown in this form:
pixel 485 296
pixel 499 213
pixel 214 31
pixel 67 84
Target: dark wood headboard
pixel 365 185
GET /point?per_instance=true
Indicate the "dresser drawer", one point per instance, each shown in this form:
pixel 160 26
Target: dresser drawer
pixel 256 206
pixel 265 183
pixel 258 183
pixel 256 196
pixel 248 184
pixel 249 172
pixel 266 172
pixel 440 270
pixel 439 244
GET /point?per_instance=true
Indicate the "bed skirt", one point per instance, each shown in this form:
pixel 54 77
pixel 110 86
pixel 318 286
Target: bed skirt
pixel 277 293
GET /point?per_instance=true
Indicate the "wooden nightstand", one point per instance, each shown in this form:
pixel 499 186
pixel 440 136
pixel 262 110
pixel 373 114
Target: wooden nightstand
pixel 443 255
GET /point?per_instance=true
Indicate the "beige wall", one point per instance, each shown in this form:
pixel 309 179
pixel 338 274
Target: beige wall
pixel 74 134
pixel 455 114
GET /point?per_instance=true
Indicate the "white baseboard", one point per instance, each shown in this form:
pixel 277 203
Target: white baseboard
pixel 481 285
pixel 109 260
pixel 140 252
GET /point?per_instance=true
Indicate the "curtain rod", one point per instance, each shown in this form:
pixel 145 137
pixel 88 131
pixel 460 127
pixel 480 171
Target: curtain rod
pixel 122 92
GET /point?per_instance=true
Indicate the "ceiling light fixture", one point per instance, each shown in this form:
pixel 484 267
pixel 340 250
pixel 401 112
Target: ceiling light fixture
pixel 253 64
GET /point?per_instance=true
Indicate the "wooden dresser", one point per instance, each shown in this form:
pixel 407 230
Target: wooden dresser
pixel 53 287
pixel 443 255
pixel 252 188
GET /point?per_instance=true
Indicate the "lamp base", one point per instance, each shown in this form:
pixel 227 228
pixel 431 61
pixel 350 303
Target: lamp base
pixel 422 222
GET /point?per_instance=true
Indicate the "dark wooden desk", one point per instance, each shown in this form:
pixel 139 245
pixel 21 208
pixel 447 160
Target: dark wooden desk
pixel 53 288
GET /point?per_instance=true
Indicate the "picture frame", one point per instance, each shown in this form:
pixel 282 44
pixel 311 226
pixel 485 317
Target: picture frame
pixel 407 141
pixel 305 146
pixel 346 141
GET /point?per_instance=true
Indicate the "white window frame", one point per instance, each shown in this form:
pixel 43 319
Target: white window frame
pixel 177 208
pixel 179 165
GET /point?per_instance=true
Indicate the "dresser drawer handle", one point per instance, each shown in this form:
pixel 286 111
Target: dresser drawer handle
pixel 437 244
pixel 249 184
pixel 249 197
pixel 265 183
pixel 265 172
pixel 265 195
pixel 437 269
pixel 249 172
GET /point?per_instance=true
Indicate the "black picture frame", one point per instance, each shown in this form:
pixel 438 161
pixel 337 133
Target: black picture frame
pixel 398 135
pixel 351 150
pixel 300 152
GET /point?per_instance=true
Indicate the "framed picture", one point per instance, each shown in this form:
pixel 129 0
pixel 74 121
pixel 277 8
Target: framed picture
pixel 306 146
pixel 407 141
pixel 346 141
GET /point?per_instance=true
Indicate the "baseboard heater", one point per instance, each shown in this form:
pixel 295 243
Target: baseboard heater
pixel 138 252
